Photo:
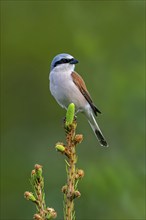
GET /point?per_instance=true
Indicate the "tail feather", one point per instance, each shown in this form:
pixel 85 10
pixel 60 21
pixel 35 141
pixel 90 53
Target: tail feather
pixel 97 131
pixel 101 138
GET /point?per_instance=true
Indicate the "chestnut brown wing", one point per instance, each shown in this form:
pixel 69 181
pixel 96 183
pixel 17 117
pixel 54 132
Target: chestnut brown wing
pixel 79 82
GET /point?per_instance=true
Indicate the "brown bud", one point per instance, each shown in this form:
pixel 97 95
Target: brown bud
pixel 38 170
pixel 51 213
pixel 37 167
pixel 37 217
pixel 33 172
pixel 78 138
pixel 77 194
pixel 29 196
pixel 79 174
pixel 64 189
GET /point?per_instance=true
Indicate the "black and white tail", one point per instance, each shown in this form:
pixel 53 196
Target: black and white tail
pixel 97 130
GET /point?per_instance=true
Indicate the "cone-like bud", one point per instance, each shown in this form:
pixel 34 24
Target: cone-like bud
pixel 33 172
pixel 70 114
pixel 78 138
pixel 51 213
pixel 77 194
pixel 37 217
pixel 79 174
pixel 60 147
pixel 29 196
pixel 64 189
pixel 38 170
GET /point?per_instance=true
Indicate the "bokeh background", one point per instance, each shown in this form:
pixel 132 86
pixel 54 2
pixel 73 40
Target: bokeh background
pixel 107 37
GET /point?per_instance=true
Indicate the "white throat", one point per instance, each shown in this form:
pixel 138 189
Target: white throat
pixel 65 67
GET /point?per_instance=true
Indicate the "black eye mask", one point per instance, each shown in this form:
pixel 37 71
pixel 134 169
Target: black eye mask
pixel 62 61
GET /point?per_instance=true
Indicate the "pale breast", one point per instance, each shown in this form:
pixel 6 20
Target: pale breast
pixel 65 91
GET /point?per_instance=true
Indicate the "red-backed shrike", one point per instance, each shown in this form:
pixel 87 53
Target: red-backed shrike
pixel 67 87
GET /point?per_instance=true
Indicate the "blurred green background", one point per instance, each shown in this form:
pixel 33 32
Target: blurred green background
pixel 107 37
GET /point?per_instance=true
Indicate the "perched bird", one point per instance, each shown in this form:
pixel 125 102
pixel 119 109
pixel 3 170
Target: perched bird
pixel 67 86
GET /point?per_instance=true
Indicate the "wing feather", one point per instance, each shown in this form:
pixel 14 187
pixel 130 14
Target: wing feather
pixel 79 82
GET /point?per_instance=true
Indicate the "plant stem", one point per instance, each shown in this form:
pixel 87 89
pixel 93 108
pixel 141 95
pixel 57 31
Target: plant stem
pixel 38 196
pixel 71 172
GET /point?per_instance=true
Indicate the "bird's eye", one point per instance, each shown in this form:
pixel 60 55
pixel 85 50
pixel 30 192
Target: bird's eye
pixel 64 60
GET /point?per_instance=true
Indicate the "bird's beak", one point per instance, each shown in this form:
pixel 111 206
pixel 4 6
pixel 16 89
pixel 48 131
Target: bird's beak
pixel 73 61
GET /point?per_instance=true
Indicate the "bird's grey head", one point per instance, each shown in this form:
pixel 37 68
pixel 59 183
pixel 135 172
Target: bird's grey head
pixel 63 58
